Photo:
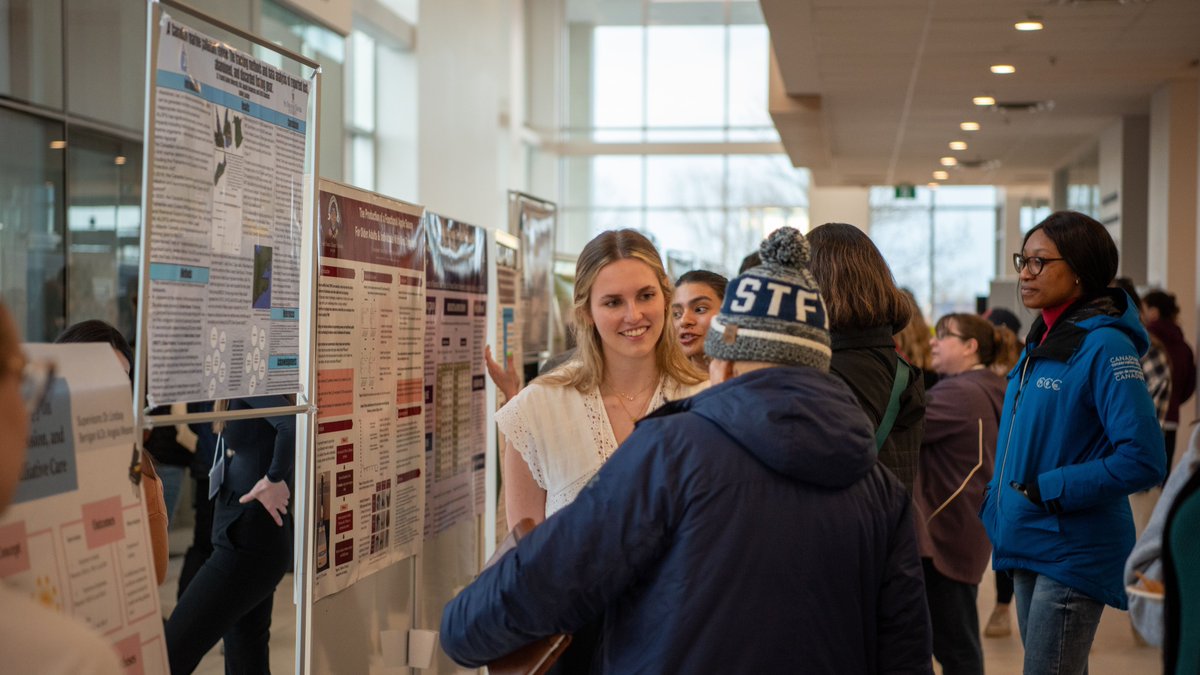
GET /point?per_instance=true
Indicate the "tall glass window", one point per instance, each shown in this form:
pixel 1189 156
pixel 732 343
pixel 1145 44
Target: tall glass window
pixel 670 132
pixel 941 244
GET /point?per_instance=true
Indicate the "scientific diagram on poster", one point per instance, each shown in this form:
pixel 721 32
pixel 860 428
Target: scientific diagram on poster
pixel 226 194
pixel 76 537
pixel 455 396
pixel 369 456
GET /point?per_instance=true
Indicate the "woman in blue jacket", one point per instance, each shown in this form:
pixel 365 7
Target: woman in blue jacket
pixel 1078 434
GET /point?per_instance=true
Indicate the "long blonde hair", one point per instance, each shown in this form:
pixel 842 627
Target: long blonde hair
pixel 585 370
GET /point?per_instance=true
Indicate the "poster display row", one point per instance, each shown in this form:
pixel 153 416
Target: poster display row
pixel 76 536
pixel 228 141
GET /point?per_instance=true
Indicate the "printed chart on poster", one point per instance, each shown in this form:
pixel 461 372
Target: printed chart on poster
pixel 226 191
pixel 369 459
pixel 535 224
pixel 76 536
pixel 504 286
pixel 455 396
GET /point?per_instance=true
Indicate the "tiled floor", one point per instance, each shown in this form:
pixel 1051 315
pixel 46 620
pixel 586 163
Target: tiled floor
pixel 1114 652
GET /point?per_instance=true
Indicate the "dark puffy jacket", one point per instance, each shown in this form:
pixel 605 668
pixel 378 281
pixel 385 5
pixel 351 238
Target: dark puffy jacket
pixel 866 361
pixel 747 529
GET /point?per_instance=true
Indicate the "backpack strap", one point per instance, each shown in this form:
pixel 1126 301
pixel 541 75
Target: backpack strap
pixel 893 408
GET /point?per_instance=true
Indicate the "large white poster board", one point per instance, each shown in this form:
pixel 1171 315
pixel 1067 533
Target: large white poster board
pixel 76 536
pixel 455 395
pixel 369 455
pixel 227 188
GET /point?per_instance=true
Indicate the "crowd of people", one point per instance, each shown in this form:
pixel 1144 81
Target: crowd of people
pixel 830 498
pixel 784 471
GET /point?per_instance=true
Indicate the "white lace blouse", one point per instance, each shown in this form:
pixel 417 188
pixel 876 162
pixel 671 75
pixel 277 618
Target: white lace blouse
pixel 565 436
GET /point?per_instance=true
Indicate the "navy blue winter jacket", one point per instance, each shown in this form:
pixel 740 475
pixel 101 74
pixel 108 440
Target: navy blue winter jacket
pixel 748 529
pixel 1079 424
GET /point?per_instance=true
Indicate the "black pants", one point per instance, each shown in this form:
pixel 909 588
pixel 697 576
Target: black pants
pixel 1004 587
pixel 955 623
pixel 233 593
pixel 201 546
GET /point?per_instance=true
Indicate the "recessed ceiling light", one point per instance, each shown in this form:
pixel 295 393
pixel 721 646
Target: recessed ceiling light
pixel 1028 25
pixel 969 126
pixel 1004 69
pixel 932 184
pixel 57 145
pixel 941 175
pixel 958 145
pixel 948 161
pixel 119 160
pixel 983 100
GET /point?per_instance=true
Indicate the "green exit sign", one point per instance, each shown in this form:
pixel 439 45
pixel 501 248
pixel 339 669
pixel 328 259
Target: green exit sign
pixel 906 191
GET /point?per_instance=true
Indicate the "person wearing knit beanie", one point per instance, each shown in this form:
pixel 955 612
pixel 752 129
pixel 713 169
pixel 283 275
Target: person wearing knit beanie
pixel 773 313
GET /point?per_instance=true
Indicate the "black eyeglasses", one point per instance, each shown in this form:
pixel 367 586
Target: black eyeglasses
pixel 1036 263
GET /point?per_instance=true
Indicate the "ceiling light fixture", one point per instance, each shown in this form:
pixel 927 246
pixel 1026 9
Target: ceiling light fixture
pixel 983 100
pixel 119 160
pixel 941 175
pixel 969 126
pixel 958 145
pixel 1004 69
pixel 1029 24
pixel 57 145
pixel 948 161
pixel 932 184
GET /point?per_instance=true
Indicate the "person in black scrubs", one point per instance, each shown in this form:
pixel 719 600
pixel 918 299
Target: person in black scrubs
pixel 232 594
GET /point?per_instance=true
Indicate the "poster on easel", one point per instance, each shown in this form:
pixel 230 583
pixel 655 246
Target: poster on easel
pixel 228 139
pixel 369 455
pixel 76 536
pixel 534 221
pixel 455 394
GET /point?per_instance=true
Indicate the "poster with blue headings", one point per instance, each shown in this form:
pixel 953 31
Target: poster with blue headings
pixel 226 192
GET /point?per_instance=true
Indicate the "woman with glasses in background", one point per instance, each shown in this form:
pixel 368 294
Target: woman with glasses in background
pixel 957 454
pixel 1078 435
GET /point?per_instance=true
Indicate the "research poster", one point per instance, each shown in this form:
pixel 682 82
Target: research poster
pixel 76 537
pixel 369 460
pixel 535 226
pixel 226 193
pixel 455 395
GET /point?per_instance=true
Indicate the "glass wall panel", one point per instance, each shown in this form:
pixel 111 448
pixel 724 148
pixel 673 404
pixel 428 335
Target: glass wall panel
pixel 103 223
pixel 686 76
pixel 31 51
pixel 31 224
pixel 618 85
pixel 685 180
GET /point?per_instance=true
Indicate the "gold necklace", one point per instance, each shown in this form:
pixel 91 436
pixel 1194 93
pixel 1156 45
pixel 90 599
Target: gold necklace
pixel 631 399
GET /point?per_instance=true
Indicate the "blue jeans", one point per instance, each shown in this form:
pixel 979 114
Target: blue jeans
pixel 1057 623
